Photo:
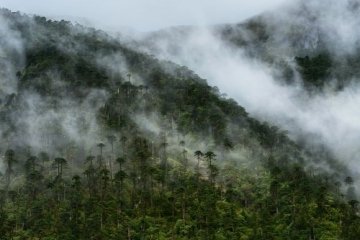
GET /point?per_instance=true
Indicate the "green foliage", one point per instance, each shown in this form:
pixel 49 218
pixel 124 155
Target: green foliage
pixel 315 70
pixel 145 189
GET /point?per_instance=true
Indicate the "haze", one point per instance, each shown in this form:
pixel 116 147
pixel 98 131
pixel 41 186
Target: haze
pixel 143 15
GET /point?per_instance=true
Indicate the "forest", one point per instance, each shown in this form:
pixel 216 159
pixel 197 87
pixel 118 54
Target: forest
pixel 100 141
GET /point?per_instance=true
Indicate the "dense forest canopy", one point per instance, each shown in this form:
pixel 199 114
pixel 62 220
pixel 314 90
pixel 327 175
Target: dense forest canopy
pixel 100 141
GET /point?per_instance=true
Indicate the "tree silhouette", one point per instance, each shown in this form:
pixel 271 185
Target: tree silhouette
pixel 60 163
pixel 123 141
pixel 198 154
pixel 184 154
pixel 210 156
pixel 90 159
pixel 30 164
pixel 44 158
pixel 111 140
pixel 164 161
pixel 213 170
pixel 101 146
pixel 9 161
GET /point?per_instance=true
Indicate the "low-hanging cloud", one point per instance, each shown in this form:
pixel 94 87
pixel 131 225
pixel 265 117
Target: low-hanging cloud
pixel 10 45
pixel 143 15
pixel 331 118
pixel 305 26
pixel 41 122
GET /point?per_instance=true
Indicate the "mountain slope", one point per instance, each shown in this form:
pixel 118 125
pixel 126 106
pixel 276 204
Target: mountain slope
pixel 104 142
pixel 294 67
pixel 319 41
pixel 314 38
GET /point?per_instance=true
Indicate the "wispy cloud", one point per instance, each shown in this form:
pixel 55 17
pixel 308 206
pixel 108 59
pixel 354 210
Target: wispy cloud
pixel 143 15
pixel 331 119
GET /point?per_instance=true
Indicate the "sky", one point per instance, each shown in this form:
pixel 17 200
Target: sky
pixel 143 15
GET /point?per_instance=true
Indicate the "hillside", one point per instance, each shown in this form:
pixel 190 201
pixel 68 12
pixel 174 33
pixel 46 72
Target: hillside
pixel 319 41
pixel 312 37
pixel 100 141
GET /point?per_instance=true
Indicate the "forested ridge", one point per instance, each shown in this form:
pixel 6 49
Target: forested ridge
pixel 310 43
pixel 100 141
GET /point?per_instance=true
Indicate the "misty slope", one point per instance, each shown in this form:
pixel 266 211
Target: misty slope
pixel 296 67
pixel 65 63
pixel 316 38
pixel 76 102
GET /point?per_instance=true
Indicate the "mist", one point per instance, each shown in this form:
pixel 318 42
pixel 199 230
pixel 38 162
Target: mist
pixel 10 45
pixel 143 15
pixel 329 118
pixel 40 122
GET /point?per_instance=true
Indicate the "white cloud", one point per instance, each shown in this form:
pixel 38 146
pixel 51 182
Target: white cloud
pixel 332 119
pixel 144 15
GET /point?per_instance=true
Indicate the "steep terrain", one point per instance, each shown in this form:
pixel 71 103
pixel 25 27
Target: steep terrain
pixel 317 37
pixel 101 141
pixel 295 67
